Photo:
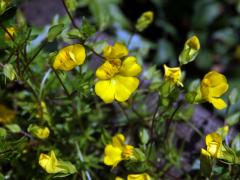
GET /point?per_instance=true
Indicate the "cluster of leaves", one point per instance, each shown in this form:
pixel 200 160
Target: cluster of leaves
pixel 81 124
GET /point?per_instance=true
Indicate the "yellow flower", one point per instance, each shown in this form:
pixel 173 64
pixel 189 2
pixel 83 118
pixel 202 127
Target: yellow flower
pixel 116 78
pixel 52 165
pixel 173 75
pixel 144 20
pixel 39 132
pixel 117 151
pixel 190 50
pixel 12 31
pixel 49 163
pixel 6 115
pixel 214 144
pixel 69 57
pixel 143 176
pixel 212 87
pixel 118 50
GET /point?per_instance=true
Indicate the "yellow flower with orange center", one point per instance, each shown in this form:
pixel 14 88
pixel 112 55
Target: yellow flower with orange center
pixel 117 151
pixel 117 78
pixel 69 57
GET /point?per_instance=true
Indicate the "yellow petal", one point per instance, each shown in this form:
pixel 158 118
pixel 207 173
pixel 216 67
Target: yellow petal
pixel 193 43
pixel 112 155
pixel 130 67
pixel 118 140
pixel 49 163
pixel 118 178
pixel 205 153
pixel 125 86
pixel 143 176
pixel 69 57
pixel 218 103
pixel 105 89
pixel 117 51
pixel 214 143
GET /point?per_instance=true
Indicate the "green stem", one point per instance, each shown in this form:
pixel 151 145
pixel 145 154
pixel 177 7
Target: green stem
pixel 69 14
pixel 64 87
pixel 169 121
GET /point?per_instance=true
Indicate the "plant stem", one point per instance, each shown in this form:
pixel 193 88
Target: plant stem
pixel 169 121
pixel 64 87
pixel 69 14
pixel 35 55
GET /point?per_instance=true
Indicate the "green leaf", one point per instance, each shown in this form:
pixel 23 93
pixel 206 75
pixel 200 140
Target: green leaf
pixel 86 29
pixel 144 135
pixel 233 96
pixel 54 31
pixel 14 128
pixel 3 132
pixel 9 71
pixel 139 155
pixel 236 143
pixel 233 119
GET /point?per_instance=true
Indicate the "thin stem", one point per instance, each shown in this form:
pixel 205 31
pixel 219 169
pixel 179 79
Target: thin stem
pixel 86 173
pixel 169 121
pixel 94 52
pixel 6 31
pixel 154 117
pixel 69 14
pixel 35 55
pixel 195 129
pixel 64 87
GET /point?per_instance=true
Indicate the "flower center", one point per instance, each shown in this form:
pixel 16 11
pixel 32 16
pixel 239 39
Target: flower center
pixel 127 151
pixel 112 67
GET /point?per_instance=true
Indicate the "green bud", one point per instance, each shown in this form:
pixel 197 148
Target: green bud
pixel 190 50
pixel 144 21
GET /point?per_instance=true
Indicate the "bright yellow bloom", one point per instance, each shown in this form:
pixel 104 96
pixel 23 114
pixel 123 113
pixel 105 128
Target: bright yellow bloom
pixel 117 151
pixel 6 115
pixel 117 51
pixel 117 79
pixel 12 31
pixel 70 57
pixel 52 165
pixel 49 163
pixel 39 132
pixel 173 75
pixel 144 20
pixel 143 176
pixel 214 144
pixel 212 87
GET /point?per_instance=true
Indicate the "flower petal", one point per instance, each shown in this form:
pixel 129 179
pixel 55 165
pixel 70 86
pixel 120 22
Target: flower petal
pixel 218 103
pixel 130 67
pixel 118 50
pixel 112 155
pixel 105 89
pixel 118 140
pixel 125 86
